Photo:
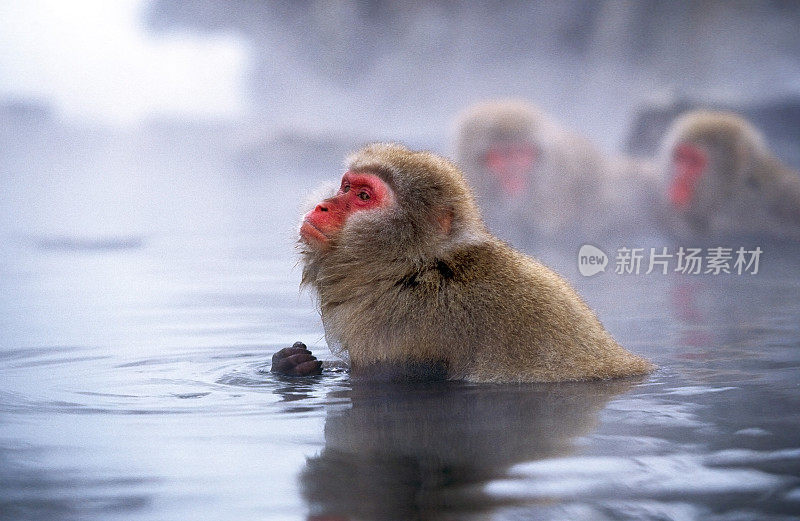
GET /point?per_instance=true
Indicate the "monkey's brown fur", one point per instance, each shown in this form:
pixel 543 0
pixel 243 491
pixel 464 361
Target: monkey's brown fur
pixel 745 189
pixel 574 186
pixel 396 287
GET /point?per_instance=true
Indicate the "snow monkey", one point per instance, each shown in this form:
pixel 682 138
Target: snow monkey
pixel 530 173
pixel 411 285
pixel 723 180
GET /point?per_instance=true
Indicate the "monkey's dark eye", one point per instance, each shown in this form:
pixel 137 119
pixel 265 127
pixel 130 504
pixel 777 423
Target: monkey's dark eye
pixel 364 196
pixel 346 188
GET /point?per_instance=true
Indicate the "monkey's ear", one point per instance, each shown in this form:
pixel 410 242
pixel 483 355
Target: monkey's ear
pixel 444 220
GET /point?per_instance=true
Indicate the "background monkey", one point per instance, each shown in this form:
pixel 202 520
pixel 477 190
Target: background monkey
pixel 533 175
pixel 723 180
pixel 411 283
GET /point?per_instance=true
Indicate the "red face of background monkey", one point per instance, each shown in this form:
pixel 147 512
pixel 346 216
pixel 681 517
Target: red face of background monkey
pixel 688 163
pixel 358 192
pixel 511 165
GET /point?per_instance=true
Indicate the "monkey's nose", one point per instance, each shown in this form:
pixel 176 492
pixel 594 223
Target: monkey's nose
pixel 322 207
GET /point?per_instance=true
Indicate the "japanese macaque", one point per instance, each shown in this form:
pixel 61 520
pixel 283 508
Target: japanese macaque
pixel 723 180
pixel 534 176
pixel 412 285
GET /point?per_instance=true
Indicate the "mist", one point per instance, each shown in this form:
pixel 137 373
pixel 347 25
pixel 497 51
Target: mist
pixel 136 117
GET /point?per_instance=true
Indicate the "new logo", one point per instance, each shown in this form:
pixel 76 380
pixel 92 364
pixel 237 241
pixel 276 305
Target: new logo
pixel 591 260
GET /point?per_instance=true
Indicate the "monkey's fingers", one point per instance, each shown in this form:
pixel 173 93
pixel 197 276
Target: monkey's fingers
pixel 295 361
pixel 286 352
pixel 286 364
pixel 298 365
pixel 312 367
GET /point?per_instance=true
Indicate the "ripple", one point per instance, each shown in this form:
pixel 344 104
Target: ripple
pixel 697 390
pixel 37 352
pixel 61 361
pixel 190 396
pixel 110 243
pixel 252 375
pixel 646 476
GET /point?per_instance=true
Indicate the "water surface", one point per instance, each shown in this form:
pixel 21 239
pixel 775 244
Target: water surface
pixel 134 384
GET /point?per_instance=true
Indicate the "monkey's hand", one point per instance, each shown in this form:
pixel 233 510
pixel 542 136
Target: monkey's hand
pixel 296 361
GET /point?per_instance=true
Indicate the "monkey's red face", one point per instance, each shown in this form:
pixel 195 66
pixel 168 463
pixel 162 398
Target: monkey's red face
pixel 358 192
pixel 689 163
pixel 511 164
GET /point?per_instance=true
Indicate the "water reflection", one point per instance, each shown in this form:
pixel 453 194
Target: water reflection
pixel 426 451
pixel 40 494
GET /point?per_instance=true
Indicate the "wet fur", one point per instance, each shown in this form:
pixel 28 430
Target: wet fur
pixel 395 289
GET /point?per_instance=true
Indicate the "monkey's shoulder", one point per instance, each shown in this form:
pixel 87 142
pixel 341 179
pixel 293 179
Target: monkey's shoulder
pixel 495 258
pixel 484 265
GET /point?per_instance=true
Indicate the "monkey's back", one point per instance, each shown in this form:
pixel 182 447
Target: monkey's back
pixel 545 331
pixel 483 311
